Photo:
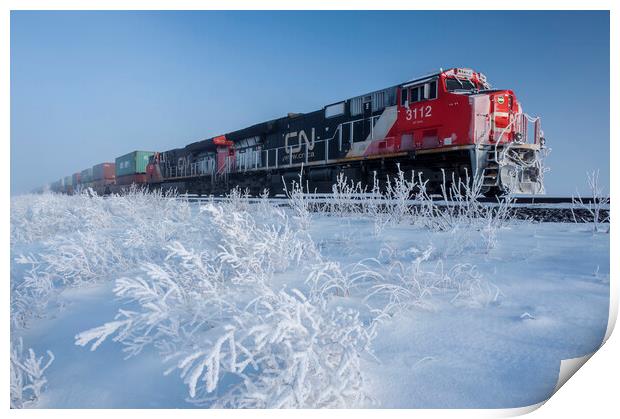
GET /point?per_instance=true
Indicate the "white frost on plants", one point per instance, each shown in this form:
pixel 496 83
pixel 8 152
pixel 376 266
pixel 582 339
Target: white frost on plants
pixel 348 303
pixel 27 375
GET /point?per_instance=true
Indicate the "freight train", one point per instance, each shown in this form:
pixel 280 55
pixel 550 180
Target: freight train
pixel 446 125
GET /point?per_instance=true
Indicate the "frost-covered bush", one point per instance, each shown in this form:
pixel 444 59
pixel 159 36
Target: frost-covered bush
pixel 238 199
pixel 410 285
pixel 299 202
pixel 31 294
pixel 472 225
pixel 375 208
pixel 401 280
pixel 249 251
pixel 471 289
pixel 280 351
pixel 406 199
pixel 80 240
pixel 142 217
pixel 399 191
pixel 45 216
pixel 596 207
pixel 83 258
pixel 462 207
pixel 27 374
pixel 86 238
pixel 157 219
pixel 346 197
pixel 327 278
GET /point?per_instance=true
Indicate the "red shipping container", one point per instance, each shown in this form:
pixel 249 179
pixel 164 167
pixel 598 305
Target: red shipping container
pixel 104 171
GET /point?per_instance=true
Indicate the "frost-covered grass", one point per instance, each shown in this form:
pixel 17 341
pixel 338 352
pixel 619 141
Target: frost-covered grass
pixel 234 304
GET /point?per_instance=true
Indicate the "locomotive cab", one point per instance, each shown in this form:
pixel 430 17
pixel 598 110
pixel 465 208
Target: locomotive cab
pixel 464 80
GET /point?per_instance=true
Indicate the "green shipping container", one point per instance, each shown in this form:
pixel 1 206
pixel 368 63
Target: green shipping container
pixel 68 180
pixel 132 163
pixel 86 175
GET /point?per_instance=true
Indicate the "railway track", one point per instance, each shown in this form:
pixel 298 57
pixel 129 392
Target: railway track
pixel 539 208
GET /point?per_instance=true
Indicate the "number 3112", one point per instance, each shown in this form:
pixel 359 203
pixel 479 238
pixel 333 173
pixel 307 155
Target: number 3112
pixel 421 112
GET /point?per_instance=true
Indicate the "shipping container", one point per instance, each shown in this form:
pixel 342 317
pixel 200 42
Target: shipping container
pixel 103 171
pixel 57 186
pixel 132 163
pixel 137 178
pixel 76 179
pixel 68 181
pixel 86 176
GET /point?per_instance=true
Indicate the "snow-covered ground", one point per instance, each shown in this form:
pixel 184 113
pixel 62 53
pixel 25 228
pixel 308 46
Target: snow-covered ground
pixel 247 305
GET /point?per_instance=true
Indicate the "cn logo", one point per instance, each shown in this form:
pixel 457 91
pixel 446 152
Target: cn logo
pixel 301 136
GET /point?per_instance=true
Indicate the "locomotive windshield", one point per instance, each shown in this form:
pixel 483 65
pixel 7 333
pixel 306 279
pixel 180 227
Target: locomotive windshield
pixel 453 84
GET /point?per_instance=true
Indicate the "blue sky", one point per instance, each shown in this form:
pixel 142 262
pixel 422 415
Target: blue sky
pixel 89 86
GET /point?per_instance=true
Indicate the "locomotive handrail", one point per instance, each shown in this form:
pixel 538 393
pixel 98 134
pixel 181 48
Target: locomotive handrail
pixel 276 151
pixel 537 136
